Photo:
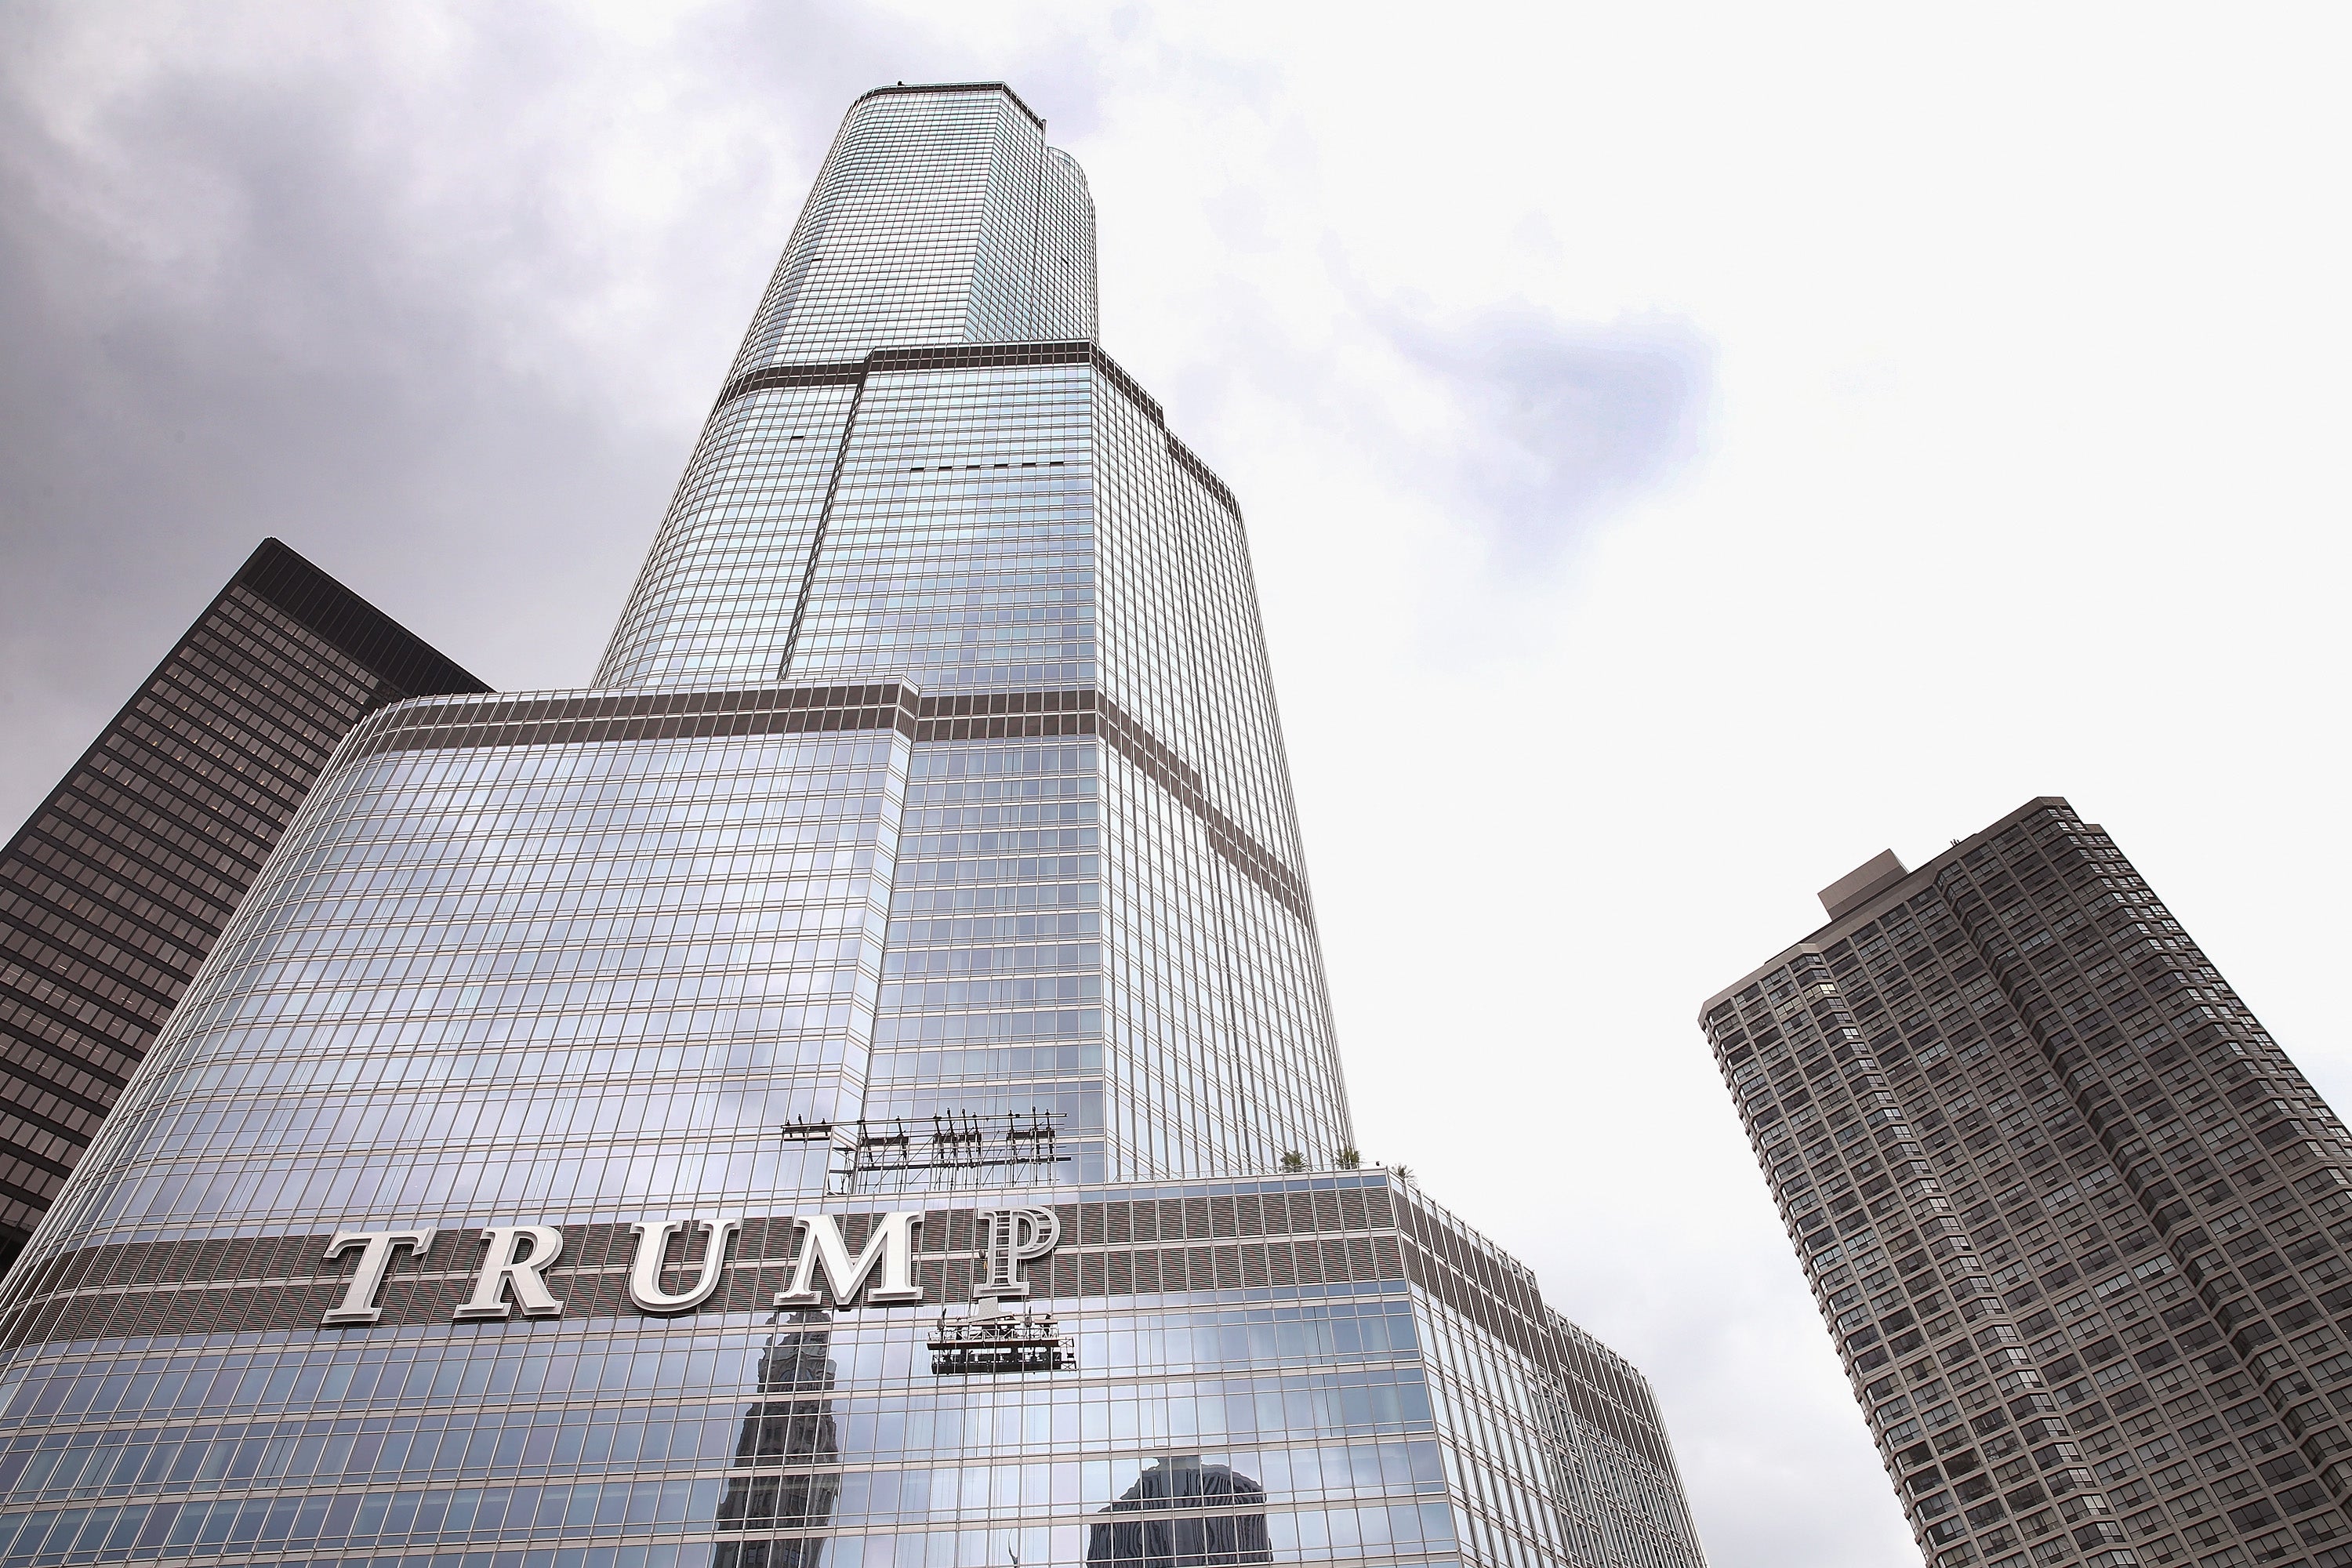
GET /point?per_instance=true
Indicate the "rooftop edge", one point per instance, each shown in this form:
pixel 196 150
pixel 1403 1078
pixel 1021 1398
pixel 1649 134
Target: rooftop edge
pixel 1875 895
pixel 1004 88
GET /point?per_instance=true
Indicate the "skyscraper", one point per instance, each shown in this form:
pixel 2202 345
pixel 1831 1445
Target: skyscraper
pixel 2077 1225
pixel 855 1086
pixel 113 892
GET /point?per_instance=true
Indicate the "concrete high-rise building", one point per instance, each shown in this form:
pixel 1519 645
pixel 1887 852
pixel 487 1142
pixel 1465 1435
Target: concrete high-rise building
pixel 115 889
pixel 856 1086
pixel 2077 1225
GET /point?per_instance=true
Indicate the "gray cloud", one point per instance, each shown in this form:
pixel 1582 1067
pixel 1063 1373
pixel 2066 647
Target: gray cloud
pixel 301 277
pixel 1554 421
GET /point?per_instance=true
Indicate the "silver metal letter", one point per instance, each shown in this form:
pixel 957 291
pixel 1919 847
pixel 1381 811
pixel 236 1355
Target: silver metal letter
pixel 653 1247
pixel 891 1247
pixel 509 1264
pixel 376 1247
pixel 1015 1236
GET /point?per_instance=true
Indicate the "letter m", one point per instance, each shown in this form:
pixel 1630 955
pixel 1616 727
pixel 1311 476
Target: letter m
pixel 891 1248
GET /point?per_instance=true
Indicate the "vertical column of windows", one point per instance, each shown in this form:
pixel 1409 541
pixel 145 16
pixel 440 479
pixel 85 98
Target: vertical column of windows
pixel 885 254
pixel 2214 1134
pixel 1004 291
pixel 1280 997
pixel 713 604
pixel 1958 1403
pixel 1066 307
pixel 937 217
pixel 1223 993
pixel 992 1000
pixel 1174 1062
pixel 959 548
pixel 556 976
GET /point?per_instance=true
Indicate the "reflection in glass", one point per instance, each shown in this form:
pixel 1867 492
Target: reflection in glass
pixel 794 1433
pixel 1168 1524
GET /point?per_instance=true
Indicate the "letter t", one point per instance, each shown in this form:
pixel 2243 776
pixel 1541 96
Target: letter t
pixel 376 1247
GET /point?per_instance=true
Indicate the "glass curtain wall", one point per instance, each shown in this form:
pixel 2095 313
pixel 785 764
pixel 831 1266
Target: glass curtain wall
pixel 923 866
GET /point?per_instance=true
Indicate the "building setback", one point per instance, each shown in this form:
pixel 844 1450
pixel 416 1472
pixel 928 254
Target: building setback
pixel 2077 1225
pixel 854 1088
pixel 114 891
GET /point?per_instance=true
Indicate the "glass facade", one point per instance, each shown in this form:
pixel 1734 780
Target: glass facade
pixel 115 890
pixel 856 1086
pixel 2079 1227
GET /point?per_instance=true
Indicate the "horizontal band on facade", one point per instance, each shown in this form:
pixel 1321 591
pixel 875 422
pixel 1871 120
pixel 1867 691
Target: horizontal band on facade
pixel 985 357
pixel 747 1287
pixel 31 1203
pixel 1276 1238
pixel 944 1232
pixel 47 953
pixel 27 991
pixel 590 718
pixel 950 357
pixel 28 1031
pixel 70 1042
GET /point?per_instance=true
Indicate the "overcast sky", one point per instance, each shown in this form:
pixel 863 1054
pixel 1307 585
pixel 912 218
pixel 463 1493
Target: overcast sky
pixel 1688 450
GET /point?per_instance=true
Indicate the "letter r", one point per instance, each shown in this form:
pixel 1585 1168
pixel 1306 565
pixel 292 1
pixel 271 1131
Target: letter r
pixel 518 1258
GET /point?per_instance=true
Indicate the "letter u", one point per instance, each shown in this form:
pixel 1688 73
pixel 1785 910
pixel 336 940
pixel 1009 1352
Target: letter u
pixel 653 1247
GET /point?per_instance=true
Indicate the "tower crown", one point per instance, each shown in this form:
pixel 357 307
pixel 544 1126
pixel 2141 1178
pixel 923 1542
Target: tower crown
pixel 940 216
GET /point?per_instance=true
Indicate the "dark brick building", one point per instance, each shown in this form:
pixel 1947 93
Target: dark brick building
pixel 112 893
